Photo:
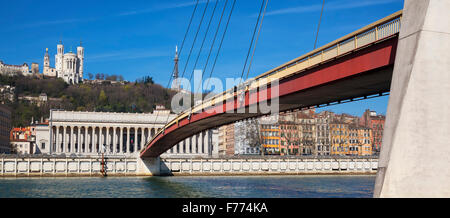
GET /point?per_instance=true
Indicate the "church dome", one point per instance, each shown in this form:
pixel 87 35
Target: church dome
pixel 70 54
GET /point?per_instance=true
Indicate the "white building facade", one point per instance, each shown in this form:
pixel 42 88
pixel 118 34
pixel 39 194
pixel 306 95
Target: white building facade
pixel 244 134
pixel 42 139
pixel 124 134
pixel 68 66
pixel 11 70
pixel 22 147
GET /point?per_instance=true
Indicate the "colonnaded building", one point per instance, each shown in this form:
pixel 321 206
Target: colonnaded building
pixel 124 134
pixel 68 66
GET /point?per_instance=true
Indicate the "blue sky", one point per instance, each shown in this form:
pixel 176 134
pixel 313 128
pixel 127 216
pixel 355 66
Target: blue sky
pixel 138 38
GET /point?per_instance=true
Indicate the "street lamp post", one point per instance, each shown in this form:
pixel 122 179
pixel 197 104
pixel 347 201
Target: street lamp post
pixel 103 170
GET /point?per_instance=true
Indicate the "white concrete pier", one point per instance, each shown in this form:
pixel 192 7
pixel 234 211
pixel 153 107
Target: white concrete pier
pixel 415 154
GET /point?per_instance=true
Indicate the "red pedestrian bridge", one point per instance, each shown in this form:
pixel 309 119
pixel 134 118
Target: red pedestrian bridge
pixel 356 66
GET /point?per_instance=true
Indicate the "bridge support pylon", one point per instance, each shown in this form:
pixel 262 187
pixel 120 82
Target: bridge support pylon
pixel 415 154
pixel 148 166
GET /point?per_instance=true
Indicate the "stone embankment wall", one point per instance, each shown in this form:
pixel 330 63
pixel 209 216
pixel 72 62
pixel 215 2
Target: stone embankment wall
pixel 277 166
pixel 51 166
pixel 61 166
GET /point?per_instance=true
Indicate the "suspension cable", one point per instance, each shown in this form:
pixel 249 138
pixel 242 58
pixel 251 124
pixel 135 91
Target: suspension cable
pixel 204 39
pixel 256 42
pixel 198 29
pixel 253 37
pixel 318 27
pixel 181 48
pixel 214 39
pixel 184 39
pixel 221 42
pixel 207 29
pixel 195 38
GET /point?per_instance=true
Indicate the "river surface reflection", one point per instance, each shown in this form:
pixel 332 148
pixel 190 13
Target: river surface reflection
pixel 192 187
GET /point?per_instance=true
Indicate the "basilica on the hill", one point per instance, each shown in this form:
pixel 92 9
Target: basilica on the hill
pixel 68 66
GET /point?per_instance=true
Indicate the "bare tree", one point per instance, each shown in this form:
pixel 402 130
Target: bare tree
pixel 250 133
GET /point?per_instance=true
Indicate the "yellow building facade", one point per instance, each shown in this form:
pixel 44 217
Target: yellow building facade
pixel 339 138
pixel 350 140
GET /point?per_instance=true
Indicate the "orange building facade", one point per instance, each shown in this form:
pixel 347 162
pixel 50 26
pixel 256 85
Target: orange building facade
pixel 270 137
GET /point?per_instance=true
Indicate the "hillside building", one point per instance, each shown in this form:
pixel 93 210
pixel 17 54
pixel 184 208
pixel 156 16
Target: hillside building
pixel 68 66
pixel 12 70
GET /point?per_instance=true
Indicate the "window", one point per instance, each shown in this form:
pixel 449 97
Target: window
pixel 42 145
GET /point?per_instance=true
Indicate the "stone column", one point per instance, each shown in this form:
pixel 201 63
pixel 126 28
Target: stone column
pixel 114 141
pixel 94 140
pixel 75 140
pixel 142 137
pixel 188 145
pixel 194 143
pixel 201 143
pixel 121 141
pixel 214 139
pixel 57 140
pixel 128 140
pixel 151 134
pixel 60 140
pixel 91 139
pixel 69 140
pixel 85 139
pixel 64 140
pixel 72 140
pixel 110 141
pixel 79 140
pixel 205 142
pixel 101 142
pixel 88 149
pixel 135 139
pixel 107 141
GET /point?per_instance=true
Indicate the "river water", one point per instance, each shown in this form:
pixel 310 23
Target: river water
pixel 193 187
